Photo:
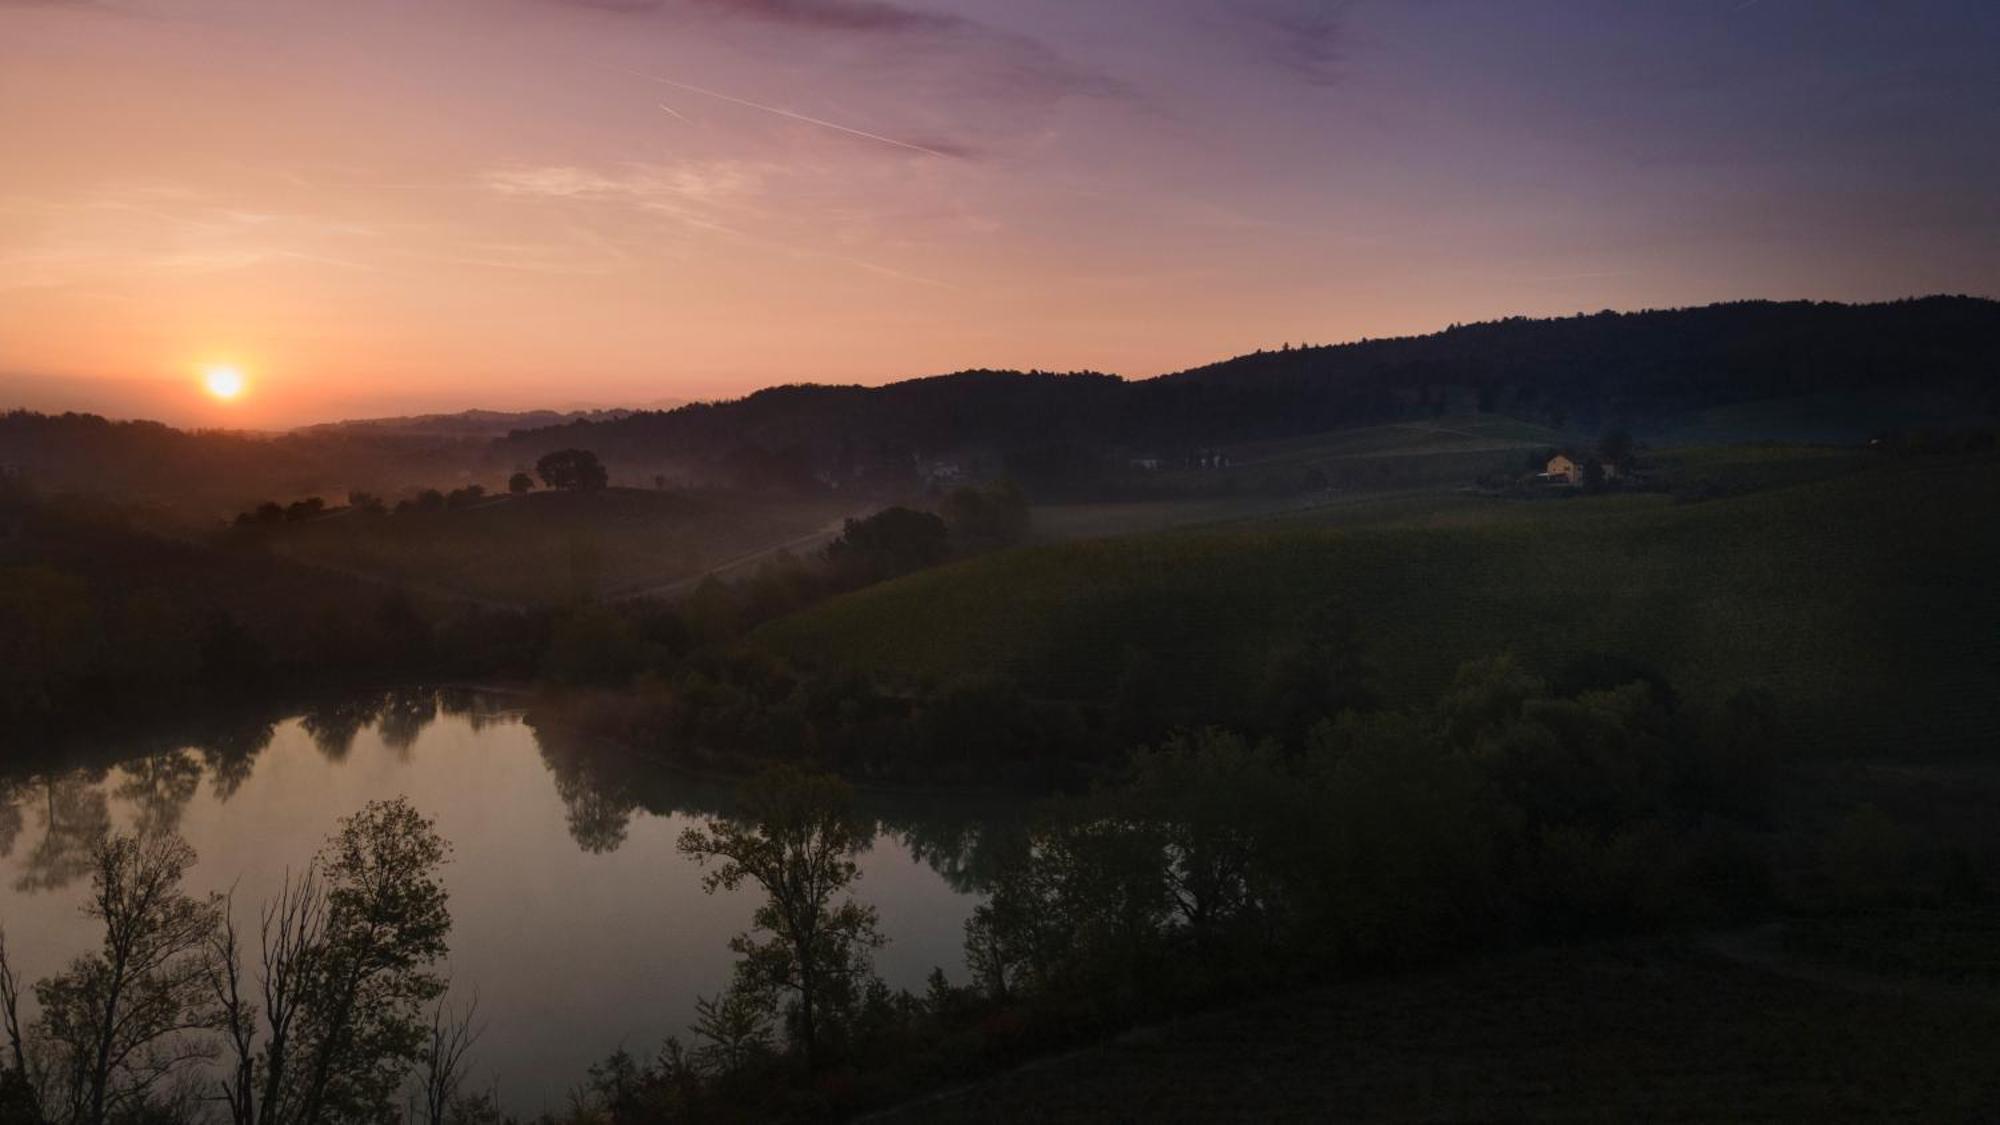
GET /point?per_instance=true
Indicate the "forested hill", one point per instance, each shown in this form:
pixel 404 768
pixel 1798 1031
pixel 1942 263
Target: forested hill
pixel 1642 370
pixel 1649 366
pixel 1851 369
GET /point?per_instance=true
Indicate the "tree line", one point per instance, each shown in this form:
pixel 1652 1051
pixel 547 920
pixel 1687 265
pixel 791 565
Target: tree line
pixel 1213 867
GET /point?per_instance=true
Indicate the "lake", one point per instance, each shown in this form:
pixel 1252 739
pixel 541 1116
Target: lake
pixel 576 923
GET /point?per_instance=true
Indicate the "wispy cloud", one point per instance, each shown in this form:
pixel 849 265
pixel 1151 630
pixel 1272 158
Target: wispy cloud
pixel 941 149
pixel 824 15
pixel 696 192
pixel 130 231
pixel 1308 38
pixel 742 202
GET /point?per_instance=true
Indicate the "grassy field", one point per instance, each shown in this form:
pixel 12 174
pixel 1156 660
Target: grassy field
pixel 1859 597
pixel 548 546
pixel 1666 1031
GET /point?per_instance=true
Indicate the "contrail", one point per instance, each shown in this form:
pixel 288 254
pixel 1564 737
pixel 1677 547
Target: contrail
pixel 677 113
pixel 824 124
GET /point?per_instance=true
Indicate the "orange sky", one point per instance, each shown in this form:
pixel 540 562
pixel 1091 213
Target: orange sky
pixel 375 207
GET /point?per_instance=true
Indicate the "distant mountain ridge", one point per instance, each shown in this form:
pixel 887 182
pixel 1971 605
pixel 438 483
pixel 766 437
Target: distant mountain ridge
pixel 466 423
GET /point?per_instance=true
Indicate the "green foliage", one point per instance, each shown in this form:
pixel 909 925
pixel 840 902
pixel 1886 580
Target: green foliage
pixel 1500 814
pixel 1886 646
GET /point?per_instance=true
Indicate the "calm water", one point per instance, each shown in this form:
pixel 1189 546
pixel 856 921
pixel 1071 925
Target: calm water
pixel 576 922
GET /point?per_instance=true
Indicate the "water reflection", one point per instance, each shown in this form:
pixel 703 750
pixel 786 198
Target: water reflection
pixel 73 812
pixel 334 726
pixel 601 788
pixel 576 919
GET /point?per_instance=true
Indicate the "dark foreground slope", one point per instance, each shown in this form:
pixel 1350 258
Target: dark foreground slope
pixel 1861 605
pixel 1666 1031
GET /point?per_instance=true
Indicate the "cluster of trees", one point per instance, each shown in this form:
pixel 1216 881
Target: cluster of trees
pixel 318 1017
pixel 805 1029
pixel 113 613
pixel 713 701
pixel 572 470
pixel 1216 866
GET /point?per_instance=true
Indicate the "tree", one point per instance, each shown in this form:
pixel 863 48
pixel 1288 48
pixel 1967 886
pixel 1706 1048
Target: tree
pixel 797 840
pixel 1325 673
pixel 18 1101
pixel 452 1037
pixel 347 955
pixel 893 541
pixel 520 484
pixel 734 1030
pixel 1616 448
pixel 575 470
pixel 983 519
pixel 111 1026
pixel 260 1040
pixel 387 922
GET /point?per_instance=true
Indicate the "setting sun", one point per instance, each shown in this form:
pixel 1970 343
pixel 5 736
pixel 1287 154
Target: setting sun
pixel 223 382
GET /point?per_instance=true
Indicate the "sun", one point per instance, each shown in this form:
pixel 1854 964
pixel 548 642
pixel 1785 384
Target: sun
pixel 224 383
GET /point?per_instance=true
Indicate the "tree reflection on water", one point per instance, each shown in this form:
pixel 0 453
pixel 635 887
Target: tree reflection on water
pixel 56 810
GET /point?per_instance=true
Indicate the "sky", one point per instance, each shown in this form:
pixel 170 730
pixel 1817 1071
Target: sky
pixel 375 207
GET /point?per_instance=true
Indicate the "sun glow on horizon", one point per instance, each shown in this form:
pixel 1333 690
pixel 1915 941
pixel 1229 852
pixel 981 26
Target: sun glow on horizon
pixel 223 382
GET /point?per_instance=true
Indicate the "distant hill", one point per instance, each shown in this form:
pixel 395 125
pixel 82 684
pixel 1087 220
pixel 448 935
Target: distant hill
pixel 465 423
pixel 1649 370
pixel 1800 371
pixel 213 474
pixel 1861 366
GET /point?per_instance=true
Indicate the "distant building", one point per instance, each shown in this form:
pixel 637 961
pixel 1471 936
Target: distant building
pixel 1565 469
pixel 943 473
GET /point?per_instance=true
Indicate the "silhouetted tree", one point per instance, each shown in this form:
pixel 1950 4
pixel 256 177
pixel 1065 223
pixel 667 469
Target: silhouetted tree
pixel 1616 448
pixel 110 1027
pixel 520 484
pixel 386 924
pixel 797 840
pixel 442 1062
pixel 982 519
pixel 891 542
pixel 575 470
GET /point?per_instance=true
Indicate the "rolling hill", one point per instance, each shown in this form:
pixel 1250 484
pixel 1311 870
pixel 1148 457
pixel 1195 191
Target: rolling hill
pixel 1854 591
pixel 1930 360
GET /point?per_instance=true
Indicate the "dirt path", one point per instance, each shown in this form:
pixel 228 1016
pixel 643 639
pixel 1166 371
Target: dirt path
pixel 817 537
